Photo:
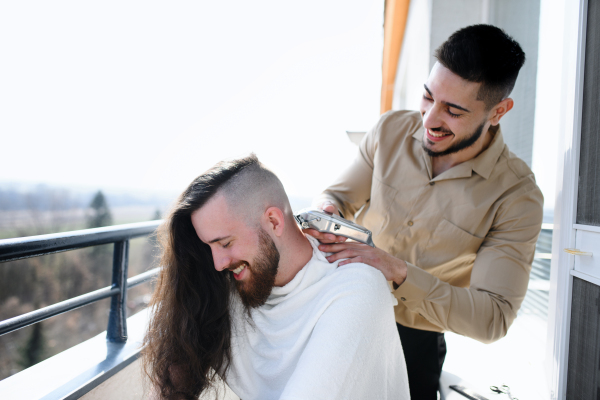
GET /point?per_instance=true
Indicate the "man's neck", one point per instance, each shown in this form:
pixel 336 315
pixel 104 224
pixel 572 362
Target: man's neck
pixel 296 253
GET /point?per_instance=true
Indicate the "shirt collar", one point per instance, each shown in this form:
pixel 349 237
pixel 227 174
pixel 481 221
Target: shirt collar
pixel 483 164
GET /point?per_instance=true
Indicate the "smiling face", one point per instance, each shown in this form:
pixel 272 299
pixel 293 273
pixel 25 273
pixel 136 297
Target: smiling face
pixel 248 253
pixel 455 122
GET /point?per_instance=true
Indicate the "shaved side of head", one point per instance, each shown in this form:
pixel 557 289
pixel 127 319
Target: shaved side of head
pixel 253 190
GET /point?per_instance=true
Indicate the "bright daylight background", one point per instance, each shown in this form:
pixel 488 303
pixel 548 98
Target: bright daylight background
pixel 144 96
pixel 136 99
pixel 140 97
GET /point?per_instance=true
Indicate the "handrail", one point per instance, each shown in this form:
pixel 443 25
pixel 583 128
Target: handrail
pixel 33 246
pixel 30 318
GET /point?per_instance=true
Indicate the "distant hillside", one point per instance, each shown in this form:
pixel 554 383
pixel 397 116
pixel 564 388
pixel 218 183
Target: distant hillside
pixel 41 209
pixel 46 198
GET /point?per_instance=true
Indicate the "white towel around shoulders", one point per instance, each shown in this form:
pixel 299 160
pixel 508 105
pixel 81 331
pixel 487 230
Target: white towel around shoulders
pixel 329 334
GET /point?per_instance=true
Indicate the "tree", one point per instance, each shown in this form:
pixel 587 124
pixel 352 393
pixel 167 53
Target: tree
pixel 100 215
pixel 100 256
pixel 34 349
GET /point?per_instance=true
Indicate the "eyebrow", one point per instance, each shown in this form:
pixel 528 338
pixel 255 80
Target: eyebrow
pixel 447 103
pixel 218 239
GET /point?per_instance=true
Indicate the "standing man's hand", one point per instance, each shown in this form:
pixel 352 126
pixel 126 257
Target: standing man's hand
pixel 326 237
pixel 393 268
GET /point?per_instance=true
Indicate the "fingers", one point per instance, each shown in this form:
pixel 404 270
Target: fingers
pixel 340 239
pixel 312 232
pixel 350 261
pixel 328 237
pixel 349 253
pixel 329 207
pixel 325 237
pixel 337 247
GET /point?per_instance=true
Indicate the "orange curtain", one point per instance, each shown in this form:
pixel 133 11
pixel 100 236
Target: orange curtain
pixel 396 14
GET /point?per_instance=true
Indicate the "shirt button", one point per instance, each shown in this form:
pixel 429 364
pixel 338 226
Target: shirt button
pixel 431 183
pixel 403 298
pixel 410 223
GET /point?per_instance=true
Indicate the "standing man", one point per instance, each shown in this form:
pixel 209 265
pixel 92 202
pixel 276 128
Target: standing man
pixel 454 214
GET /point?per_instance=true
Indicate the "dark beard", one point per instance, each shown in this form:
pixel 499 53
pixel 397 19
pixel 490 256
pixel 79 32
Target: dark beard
pixel 456 147
pixel 255 292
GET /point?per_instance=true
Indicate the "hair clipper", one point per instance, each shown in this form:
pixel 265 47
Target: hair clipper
pixel 322 221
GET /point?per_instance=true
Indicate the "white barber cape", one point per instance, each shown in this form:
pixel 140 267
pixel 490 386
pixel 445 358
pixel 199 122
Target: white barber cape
pixel 328 334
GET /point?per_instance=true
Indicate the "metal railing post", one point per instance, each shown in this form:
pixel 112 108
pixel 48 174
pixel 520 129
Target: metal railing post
pixel 117 319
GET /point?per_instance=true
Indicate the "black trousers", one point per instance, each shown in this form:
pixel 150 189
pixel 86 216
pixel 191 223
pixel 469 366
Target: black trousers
pixel 424 352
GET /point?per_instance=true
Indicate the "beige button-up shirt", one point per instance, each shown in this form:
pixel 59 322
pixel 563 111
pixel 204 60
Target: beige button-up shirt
pixel 468 235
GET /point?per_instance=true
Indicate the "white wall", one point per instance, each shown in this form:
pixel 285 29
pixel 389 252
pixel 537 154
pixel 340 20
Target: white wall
pixel 548 89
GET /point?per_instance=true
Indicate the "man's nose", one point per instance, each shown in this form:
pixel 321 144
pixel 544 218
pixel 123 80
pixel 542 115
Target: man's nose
pixel 221 261
pixel 431 117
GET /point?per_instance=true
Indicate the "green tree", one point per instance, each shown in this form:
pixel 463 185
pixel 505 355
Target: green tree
pixel 100 215
pixel 34 349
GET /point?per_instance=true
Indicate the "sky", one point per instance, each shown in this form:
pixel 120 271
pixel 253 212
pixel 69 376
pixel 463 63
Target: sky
pixel 145 95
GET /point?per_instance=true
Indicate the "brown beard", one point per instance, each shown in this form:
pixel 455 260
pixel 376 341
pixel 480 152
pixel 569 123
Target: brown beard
pixel 461 145
pixel 256 290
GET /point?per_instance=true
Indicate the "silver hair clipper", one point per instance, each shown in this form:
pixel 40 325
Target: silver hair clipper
pixel 323 221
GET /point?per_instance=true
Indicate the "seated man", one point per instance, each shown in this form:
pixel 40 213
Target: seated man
pixel 243 294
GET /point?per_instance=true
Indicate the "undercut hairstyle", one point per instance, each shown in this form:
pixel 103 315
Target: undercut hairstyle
pixel 188 341
pixel 484 54
pixel 254 189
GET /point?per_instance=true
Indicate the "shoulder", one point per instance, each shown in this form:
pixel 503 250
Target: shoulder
pixel 520 201
pixel 393 129
pixel 520 180
pixel 404 122
pixel 514 165
pixel 363 282
pixel 407 116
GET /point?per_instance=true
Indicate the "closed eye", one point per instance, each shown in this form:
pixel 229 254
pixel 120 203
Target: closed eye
pixel 226 245
pixel 447 110
pixel 452 114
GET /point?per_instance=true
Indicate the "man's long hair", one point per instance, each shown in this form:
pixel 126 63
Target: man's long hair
pixel 189 334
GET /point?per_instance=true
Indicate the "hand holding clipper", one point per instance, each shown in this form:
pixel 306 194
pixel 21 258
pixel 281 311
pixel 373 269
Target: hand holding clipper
pixel 326 222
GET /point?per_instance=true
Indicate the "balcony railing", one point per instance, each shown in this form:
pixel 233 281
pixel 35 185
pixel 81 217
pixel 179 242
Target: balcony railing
pixel 98 367
pixel 34 246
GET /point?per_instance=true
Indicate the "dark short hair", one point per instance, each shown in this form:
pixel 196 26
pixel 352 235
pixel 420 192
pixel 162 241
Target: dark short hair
pixel 485 54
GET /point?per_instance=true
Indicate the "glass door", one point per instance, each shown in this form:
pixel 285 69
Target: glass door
pixel 583 370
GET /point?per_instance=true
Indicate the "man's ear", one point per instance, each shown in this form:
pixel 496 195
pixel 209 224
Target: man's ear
pixel 500 110
pixel 274 220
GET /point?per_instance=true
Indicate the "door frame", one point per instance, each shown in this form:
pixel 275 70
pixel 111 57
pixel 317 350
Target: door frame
pixel 561 278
